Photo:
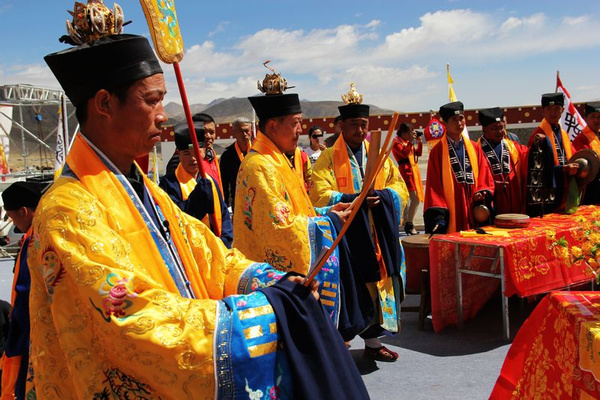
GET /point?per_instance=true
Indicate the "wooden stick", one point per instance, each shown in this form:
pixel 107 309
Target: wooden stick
pixel 373 153
pixel 355 206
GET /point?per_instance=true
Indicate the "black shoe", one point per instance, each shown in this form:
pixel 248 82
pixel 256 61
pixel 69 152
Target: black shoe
pixel 409 228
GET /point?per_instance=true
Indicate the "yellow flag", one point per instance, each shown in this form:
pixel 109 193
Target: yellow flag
pixel 451 94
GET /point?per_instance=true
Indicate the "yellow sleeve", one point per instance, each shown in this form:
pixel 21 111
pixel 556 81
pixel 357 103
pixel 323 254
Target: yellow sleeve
pixel 97 311
pixel 323 179
pixel 265 227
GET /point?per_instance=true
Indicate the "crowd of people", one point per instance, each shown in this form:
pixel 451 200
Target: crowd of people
pixel 129 289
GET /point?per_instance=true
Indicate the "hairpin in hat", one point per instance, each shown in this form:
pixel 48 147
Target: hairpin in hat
pixel 93 21
pixel 352 97
pixel 273 83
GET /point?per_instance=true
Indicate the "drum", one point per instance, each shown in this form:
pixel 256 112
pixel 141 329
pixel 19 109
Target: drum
pixel 511 221
pixel 416 252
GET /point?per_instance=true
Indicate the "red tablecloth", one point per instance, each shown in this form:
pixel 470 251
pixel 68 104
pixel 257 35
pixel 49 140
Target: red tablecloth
pixel 538 259
pixel 554 355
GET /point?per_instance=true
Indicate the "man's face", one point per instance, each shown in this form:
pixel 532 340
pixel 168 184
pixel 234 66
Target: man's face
pixel 188 160
pixel 337 128
pixel 355 131
pixel 242 133
pixel 285 132
pixel 210 134
pixel 494 132
pixel 455 125
pixel 593 121
pixel 135 124
pixel 20 218
pixel 552 114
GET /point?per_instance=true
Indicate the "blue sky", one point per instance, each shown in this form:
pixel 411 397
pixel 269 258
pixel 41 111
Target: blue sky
pixel 500 53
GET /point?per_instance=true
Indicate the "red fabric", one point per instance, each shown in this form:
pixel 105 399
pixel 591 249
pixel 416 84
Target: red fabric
pixel 401 151
pixel 143 162
pixel 581 142
pixel 434 192
pixel 212 168
pixel 509 190
pixel 543 360
pixel 537 259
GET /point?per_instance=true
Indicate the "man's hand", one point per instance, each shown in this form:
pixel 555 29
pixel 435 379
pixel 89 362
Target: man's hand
pixel 322 146
pixel 340 206
pixel 372 201
pixel 571 169
pixel 314 285
pixel 478 196
pixel 538 138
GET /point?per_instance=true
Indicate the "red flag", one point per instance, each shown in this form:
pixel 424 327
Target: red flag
pixel 571 121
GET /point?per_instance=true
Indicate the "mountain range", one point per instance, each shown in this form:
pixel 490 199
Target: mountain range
pixel 227 110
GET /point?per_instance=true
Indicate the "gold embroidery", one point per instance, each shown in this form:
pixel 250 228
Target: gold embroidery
pixel 262 349
pixel 273 327
pixel 328 293
pixel 253 332
pixel 327 302
pixel 140 326
pixel 255 312
pixel 334 286
pixel 326 284
pixel 169 335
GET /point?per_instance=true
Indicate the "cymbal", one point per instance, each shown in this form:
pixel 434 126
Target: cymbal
pixel 589 165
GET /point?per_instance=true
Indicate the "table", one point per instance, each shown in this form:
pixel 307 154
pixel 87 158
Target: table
pixel 547 255
pixel 556 352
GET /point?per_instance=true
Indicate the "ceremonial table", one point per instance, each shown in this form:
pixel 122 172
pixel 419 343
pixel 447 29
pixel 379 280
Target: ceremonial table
pixel 547 255
pixel 556 354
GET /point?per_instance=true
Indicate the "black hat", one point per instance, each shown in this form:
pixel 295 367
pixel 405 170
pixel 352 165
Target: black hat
pixel 592 108
pixel 275 105
pixel 488 116
pixel 449 110
pixel 107 63
pixel 21 194
pixel 182 135
pixel 354 111
pixel 553 99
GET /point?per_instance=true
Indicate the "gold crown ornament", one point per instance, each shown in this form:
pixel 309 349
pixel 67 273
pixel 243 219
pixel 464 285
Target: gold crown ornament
pixel 93 21
pixel 273 83
pixel 352 97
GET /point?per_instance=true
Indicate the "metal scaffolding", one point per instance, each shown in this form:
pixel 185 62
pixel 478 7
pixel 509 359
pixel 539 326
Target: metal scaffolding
pixel 22 95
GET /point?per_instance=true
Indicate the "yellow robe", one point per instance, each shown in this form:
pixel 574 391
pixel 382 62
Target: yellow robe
pixel 325 187
pixel 265 225
pixel 103 306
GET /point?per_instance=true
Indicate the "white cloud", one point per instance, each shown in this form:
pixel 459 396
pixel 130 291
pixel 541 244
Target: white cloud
pixel 395 68
pixel 220 28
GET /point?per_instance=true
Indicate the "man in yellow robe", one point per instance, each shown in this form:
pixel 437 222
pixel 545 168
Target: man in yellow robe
pixel 338 176
pixel 274 220
pixel 128 294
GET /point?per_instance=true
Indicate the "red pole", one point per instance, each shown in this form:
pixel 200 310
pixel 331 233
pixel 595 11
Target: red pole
pixel 188 117
pixel 192 131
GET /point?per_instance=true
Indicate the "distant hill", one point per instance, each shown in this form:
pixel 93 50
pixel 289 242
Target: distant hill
pixel 227 110
pixel 223 110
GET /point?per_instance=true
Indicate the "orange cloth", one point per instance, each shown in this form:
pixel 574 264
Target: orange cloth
pixel 448 179
pixel 187 183
pixel 545 126
pixel 343 170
